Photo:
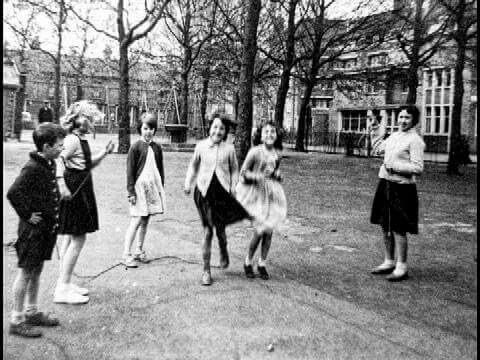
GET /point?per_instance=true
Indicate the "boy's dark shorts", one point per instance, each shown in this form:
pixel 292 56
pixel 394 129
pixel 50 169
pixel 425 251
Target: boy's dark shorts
pixel 34 247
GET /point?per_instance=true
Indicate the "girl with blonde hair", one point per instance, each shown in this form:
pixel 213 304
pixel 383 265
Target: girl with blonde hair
pixel 78 208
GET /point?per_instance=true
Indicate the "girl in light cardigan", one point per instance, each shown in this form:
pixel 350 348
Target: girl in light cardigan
pixel 214 166
pixel 395 205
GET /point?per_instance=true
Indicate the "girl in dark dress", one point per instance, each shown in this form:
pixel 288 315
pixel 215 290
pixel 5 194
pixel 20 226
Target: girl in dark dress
pixel 214 166
pixel 78 210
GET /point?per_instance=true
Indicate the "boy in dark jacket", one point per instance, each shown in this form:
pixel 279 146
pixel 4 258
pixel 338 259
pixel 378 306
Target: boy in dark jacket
pixel 34 196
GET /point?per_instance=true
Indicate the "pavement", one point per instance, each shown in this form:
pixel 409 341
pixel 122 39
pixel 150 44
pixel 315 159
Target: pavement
pixel 160 310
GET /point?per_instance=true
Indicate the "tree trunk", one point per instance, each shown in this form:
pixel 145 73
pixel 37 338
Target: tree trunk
pixel 456 144
pixel 203 102
pixel 245 106
pixel 123 103
pixel 58 64
pixel 19 103
pixel 79 88
pixel 287 66
pixel 184 101
pixel 300 140
pixel 236 101
pixel 412 83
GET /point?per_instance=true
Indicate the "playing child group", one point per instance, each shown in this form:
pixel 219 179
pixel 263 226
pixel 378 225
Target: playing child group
pixel 54 195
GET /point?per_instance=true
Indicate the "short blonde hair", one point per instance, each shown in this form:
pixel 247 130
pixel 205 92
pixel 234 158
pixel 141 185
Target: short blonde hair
pixel 82 107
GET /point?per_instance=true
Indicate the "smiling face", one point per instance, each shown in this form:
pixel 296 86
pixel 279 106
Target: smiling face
pixel 405 120
pixel 147 132
pixel 269 135
pixel 217 131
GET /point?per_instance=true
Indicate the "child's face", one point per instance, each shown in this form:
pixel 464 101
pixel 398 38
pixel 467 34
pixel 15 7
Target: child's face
pixel 217 131
pixel 147 132
pixel 52 151
pixel 269 135
pixel 84 123
pixel 405 120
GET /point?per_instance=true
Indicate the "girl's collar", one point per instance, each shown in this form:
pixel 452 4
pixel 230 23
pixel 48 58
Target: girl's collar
pixel 79 134
pixel 211 143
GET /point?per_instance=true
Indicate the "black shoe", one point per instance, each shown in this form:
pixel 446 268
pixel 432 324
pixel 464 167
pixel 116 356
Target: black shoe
pixel 393 277
pixel 263 272
pixel 41 319
pixel 380 271
pixel 24 330
pixel 249 271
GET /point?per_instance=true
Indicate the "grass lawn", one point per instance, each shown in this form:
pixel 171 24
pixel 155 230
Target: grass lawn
pixel 327 242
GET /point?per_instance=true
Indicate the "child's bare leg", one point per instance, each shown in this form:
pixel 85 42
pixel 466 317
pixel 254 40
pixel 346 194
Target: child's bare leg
pixel 253 247
pixel 207 248
pixel 70 258
pixel 64 246
pixel 222 244
pixel 32 290
pixel 130 234
pixel 388 262
pixel 266 242
pixel 141 233
pixel 19 291
pixel 401 247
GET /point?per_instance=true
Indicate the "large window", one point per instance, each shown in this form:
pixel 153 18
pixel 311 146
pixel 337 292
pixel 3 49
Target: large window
pixel 354 120
pixel 321 103
pixel 391 120
pixel 438 90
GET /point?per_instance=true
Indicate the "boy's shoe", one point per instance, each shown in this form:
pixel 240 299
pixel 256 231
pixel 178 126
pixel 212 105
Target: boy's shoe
pixel 382 269
pixel 262 270
pixel 66 295
pixel 248 271
pixel 24 330
pixel 397 277
pixel 141 257
pixel 206 278
pixel 41 319
pixel 78 289
pixel 130 262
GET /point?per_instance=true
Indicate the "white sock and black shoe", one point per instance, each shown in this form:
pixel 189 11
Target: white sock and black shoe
pixel 386 267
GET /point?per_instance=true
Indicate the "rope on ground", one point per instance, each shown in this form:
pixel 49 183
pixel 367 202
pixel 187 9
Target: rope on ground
pixel 93 277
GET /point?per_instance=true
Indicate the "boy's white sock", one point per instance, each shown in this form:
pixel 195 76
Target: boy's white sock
pixel 400 268
pixel 262 262
pixel 31 309
pixel 16 317
pixel 248 261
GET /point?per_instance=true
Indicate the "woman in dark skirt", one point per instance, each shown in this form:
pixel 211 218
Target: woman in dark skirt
pixel 395 205
pixel 78 210
pixel 214 166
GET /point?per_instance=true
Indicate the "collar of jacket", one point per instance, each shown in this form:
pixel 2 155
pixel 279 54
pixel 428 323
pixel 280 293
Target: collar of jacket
pixel 34 155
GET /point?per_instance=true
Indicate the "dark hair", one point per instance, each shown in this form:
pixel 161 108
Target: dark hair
pixel 257 136
pixel 412 110
pixel 149 119
pixel 225 121
pixel 47 133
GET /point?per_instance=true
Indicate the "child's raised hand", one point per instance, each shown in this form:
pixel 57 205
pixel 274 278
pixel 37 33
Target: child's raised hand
pixel 132 199
pixel 35 218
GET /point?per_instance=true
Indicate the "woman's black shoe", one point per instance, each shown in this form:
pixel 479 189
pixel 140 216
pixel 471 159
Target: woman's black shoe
pixel 249 271
pixel 263 272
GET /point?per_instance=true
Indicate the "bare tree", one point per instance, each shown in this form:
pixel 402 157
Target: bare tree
pixel 418 40
pixel 127 35
pixel 323 42
pixel 245 106
pixel 56 12
pixel 191 23
pixel 463 16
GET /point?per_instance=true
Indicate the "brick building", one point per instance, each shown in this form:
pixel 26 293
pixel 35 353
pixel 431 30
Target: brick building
pixel 11 86
pixel 376 80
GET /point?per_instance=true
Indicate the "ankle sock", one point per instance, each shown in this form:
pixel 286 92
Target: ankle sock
pixel 387 264
pixel 31 309
pixel 248 261
pixel 16 317
pixel 400 268
pixel 262 262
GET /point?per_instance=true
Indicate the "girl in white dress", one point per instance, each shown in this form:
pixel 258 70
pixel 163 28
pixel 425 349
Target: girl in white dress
pixel 260 193
pixel 145 186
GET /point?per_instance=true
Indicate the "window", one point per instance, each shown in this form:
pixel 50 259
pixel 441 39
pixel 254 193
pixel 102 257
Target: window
pixel 354 120
pixel 392 120
pixel 377 60
pixel 321 103
pixel 437 109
